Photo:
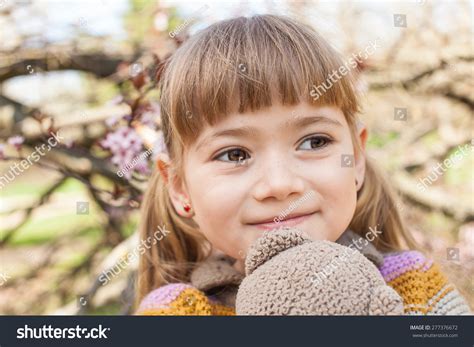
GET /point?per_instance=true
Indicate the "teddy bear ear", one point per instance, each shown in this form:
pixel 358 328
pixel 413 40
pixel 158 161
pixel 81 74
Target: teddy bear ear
pixel 270 243
pixel 384 300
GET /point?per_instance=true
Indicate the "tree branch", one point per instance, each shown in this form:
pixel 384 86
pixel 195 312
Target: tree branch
pixel 98 64
pixel 432 199
pixel 44 197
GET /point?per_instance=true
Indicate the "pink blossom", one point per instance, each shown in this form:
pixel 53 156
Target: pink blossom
pixel 124 144
pixel 110 122
pixel 142 167
pixel 151 115
pixel 16 141
pixel 148 118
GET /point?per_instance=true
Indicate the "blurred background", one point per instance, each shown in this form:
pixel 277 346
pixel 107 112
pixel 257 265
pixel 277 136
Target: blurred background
pixel 80 128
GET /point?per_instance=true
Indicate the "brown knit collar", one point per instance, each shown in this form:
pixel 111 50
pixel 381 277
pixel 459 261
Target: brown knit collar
pixel 218 272
pixel 362 245
pixel 218 279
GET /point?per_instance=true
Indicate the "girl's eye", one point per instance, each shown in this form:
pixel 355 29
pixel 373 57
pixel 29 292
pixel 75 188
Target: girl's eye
pixel 315 142
pixel 235 154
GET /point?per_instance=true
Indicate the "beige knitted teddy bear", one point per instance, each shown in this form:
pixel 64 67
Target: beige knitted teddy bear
pixel 289 274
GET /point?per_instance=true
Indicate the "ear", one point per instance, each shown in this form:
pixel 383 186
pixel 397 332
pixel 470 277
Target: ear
pixel 176 188
pixel 385 301
pixel 359 154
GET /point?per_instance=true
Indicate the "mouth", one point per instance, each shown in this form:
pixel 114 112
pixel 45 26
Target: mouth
pixel 289 221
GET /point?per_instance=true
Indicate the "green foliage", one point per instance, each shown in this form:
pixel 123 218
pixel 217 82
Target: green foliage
pixel 379 140
pixel 139 20
pixel 461 172
pixel 43 230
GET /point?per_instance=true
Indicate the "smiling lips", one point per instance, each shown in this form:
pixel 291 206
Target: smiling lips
pixel 289 221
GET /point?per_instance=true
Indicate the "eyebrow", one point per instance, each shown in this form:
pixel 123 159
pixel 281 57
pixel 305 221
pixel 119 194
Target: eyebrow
pixel 247 131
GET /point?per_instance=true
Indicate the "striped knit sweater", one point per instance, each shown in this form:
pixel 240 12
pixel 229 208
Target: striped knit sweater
pixel 420 283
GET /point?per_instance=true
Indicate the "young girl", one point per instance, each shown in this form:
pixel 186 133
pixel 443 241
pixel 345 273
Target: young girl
pixel 250 148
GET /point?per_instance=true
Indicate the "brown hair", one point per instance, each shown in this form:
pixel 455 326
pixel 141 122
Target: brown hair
pixel 238 65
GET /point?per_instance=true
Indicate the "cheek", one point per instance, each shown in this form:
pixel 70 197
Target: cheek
pixel 340 202
pixel 213 198
pixel 337 190
pixel 216 205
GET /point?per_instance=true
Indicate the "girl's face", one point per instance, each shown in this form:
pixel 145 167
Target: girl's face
pixel 280 166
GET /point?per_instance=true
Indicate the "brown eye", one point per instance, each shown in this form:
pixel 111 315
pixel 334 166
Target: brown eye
pixel 315 142
pixel 237 154
pixel 233 155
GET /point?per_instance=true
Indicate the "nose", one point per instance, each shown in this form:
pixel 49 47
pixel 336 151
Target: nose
pixel 278 179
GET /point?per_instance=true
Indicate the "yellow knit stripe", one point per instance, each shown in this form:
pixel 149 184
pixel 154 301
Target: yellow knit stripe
pixel 190 302
pixel 418 287
pixel 221 310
